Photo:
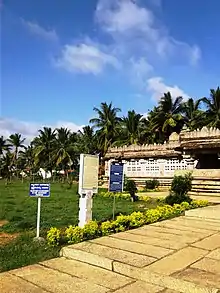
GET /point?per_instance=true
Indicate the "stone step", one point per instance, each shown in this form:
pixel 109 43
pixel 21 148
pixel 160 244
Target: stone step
pixel 206 193
pixel 93 274
pixel 206 182
pixel 207 213
pixel 213 191
pixel 103 256
pixel 202 186
pixel 177 285
pixel 55 281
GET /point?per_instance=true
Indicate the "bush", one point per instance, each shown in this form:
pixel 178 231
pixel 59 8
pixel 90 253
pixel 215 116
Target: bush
pixel 53 236
pixel 132 189
pixel 151 184
pixel 107 228
pixel 173 198
pixel 74 234
pixel 137 219
pixel 180 186
pixel 122 223
pixel 91 230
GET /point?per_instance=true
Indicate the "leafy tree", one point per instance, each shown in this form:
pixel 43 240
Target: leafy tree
pixel 63 149
pixel 193 116
pixel 4 146
pixel 213 108
pixel 6 166
pixel 131 126
pixel 168 118
pixel 87 141
pixel 44 148
pixel 107 125
pixel 27 160
pixel 16 141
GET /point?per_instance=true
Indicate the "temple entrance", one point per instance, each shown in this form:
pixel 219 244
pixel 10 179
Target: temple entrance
pixel 208 161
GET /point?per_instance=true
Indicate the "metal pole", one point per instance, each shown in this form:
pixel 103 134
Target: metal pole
pixel 113 210
pixel 38 216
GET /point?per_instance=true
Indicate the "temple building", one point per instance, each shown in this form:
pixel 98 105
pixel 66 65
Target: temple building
pixel 196 151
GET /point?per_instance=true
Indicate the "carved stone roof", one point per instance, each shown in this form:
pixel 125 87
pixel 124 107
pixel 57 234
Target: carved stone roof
pixel 204 138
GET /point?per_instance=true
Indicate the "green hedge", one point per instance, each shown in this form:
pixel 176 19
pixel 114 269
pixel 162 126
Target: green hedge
pixel 126 196
pixel 75 234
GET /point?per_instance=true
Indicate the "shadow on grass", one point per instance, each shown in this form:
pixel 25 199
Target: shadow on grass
pixel 24 251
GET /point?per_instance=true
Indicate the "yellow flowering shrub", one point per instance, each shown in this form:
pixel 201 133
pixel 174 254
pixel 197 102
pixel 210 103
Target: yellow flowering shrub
pixel 53 236
pixel 122 223
pixel 107 228
pixel 137 219
pixel 91 230
pixel 199 203
pixel 74 234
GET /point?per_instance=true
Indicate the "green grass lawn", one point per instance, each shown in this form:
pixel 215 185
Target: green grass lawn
pixel 60 210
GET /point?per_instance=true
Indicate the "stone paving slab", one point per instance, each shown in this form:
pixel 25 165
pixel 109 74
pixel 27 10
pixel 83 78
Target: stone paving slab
pixel 88 272
pixel 196 223
pixel 140 287
pixel 199 277
pixel 112 254
pixel 164 235
pixel 177 226
pixel 181 255
pixel 209 213
pixel 138 248
pixel 208 265
pixel 177 261
pixel 210 243
pixel 215 254
pixel 166 243
pixel 168 282
pixel 56 281
pixel 13 284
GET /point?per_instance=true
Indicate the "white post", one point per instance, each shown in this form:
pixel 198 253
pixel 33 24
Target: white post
pixel 85 208
pixel 38 216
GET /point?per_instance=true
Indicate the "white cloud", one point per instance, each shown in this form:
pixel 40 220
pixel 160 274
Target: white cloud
pixel 157 87
pixel 35 29
pixel 140 70
pixel 85 58
pixel 30 129
pixel 135 27
pixel 121 16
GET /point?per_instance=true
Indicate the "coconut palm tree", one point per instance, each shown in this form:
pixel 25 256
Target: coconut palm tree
pixel 193 116
pixel 213 108
pixel 131 127
pixel 87 141
pixel 6 166
pixel 107 125
pixel 4 146
pixel 168 117
pixel 44 148
pixel 27 158
pixel 16 141
pixel 63 149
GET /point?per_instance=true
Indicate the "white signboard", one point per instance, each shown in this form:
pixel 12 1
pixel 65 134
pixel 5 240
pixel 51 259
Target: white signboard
pixel 88 173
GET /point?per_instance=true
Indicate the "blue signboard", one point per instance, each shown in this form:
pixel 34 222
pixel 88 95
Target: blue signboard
pixel 40 189
pixel 116 177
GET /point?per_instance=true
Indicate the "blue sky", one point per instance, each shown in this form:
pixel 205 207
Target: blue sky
pixel 59 59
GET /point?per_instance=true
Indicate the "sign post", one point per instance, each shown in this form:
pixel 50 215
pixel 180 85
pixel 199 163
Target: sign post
pixel 116 181
pixel 88 185
pixel 39 190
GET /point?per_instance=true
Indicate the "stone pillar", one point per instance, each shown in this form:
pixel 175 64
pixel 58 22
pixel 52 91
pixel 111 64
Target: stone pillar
pixel 161 163
pixel 85 208
pixel 190 161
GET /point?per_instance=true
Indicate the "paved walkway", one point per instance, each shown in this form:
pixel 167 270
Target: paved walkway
pixel 178 255
pixel 213 199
